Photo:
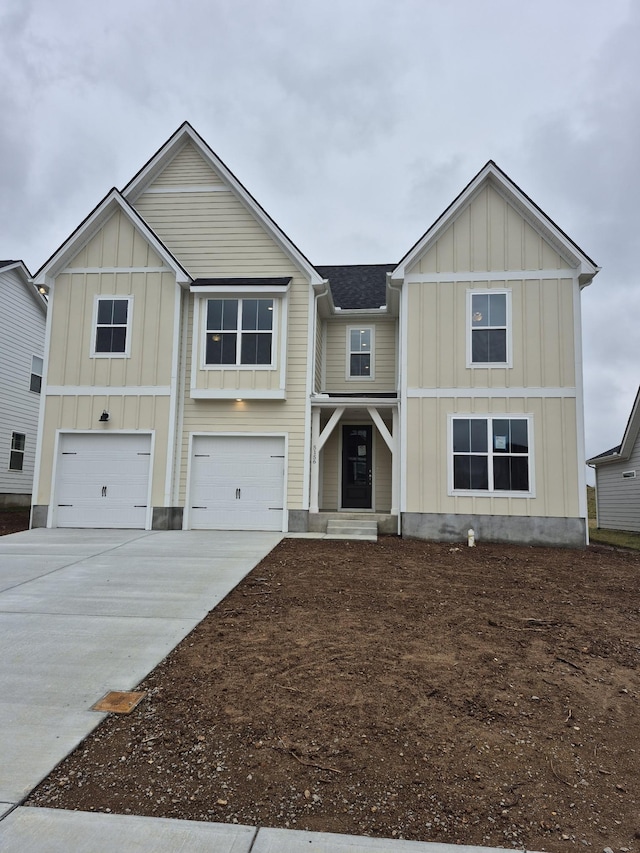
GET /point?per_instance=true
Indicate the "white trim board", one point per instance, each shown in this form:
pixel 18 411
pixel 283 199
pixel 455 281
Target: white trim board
pixel 497 275
pixel 491 393
pixel 108 391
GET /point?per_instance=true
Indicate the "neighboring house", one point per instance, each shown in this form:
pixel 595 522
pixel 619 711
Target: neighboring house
pixel 618 479
pixel 22 326
pixel 203 373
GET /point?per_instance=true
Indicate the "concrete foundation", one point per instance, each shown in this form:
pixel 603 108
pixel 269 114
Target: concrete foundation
pixel 12 500
pixel 298 520
pixel 39 514
pixel 519 530
pixel 167 518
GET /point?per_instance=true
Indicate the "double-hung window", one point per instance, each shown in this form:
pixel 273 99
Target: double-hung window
pixel 239 332
pixel 16 457
pixel 489 328
pixel 112 326
pixel 491 454
pixel 360 352
pixel 35 383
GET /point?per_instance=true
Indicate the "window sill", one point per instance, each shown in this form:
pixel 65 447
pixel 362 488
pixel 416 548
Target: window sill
pixel 238 394
pixel 470 493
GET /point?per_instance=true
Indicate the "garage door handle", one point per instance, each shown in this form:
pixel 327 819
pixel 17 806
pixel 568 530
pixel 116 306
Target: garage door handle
pixel 104 491
pixel 238 494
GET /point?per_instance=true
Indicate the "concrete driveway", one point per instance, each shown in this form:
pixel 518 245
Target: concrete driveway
pixel 83 612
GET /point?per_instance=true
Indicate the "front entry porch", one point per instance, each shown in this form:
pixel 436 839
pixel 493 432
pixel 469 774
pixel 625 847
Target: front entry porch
pixel 355 460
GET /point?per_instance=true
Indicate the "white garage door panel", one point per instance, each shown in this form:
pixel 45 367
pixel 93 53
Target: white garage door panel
pixel 237 483
pixel 103 480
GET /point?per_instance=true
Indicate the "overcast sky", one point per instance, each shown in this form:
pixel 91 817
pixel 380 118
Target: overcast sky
pixel 354 123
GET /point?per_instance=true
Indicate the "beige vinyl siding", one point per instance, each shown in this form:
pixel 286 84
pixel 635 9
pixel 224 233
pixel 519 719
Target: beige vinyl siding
pixel 489 234
pixel 619 498
pixel 554 428
pixel 117 244
pixel 212 233
pixel 212 378
pixel 382 472
pixel 260 416
pixel 542 335
pixel 72 412
pixel 384 356
pixel 151 329
pixel 187 169
pixel 319 355
pixel 330 472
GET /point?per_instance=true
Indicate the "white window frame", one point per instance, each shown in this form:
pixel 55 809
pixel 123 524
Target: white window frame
pixel 372 339
pixel 17 450
pixel 476 365
pixel 240 298
pixel 628 475
pixel 94 326
pixel 490 492
pixel 35 373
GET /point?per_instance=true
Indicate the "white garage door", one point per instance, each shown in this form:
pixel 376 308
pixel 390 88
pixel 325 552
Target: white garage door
pixel 237 483
pixel 103 480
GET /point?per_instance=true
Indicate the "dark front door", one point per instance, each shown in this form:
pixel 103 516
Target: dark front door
pixel 356 467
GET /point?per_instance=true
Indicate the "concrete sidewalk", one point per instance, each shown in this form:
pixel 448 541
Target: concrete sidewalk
pixel 30 830
pixel 83 612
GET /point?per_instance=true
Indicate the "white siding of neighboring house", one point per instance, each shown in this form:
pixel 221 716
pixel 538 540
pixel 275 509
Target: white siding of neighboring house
pixel 22 325
pixel 618 498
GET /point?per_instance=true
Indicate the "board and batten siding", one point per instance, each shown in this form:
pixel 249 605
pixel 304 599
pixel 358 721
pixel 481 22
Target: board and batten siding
pixel 489 234
pixel 618 497
pixel 22 328
pixel 384 355
pixel 127 413
pixel 553 451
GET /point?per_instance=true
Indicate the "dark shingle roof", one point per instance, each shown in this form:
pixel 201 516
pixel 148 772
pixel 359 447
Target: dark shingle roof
pixel 8 263
pixel 358 285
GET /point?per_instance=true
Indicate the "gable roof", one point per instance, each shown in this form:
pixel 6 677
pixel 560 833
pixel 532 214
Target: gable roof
pixel 103 211
pixel 357 286
pixel 528 209
pixel 622 451
pixel 160 160
pixel 37 294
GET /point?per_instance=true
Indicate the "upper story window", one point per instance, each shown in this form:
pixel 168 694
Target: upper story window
pixel 239 332
pixel 489 328
pixel 35 383
pixel 360 352
pixel 112 326
pixel 491 454
pixel 16 457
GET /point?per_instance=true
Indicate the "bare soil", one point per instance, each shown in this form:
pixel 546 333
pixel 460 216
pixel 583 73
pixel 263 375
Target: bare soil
pixel 400 689
pixel 13 520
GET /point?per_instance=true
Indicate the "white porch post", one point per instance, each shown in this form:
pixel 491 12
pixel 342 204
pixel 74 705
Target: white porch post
pixel 314 487
pixel 395 465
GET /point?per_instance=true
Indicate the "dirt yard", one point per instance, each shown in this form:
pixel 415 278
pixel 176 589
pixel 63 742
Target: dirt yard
pixel 400 689
pixel 13 520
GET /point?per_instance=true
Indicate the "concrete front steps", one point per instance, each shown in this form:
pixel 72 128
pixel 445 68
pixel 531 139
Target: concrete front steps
pixel 363 530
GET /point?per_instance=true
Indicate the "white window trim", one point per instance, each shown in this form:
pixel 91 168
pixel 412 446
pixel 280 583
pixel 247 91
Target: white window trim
pixel 479 365
pixel 372 371
pixel 240 298
pixel 484 493
pixel 13 450
pixel 628 475
pixel 94 326
pixel 35 373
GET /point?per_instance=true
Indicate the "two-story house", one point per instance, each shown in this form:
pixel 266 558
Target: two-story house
pixel 203 373
pixel 23 312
